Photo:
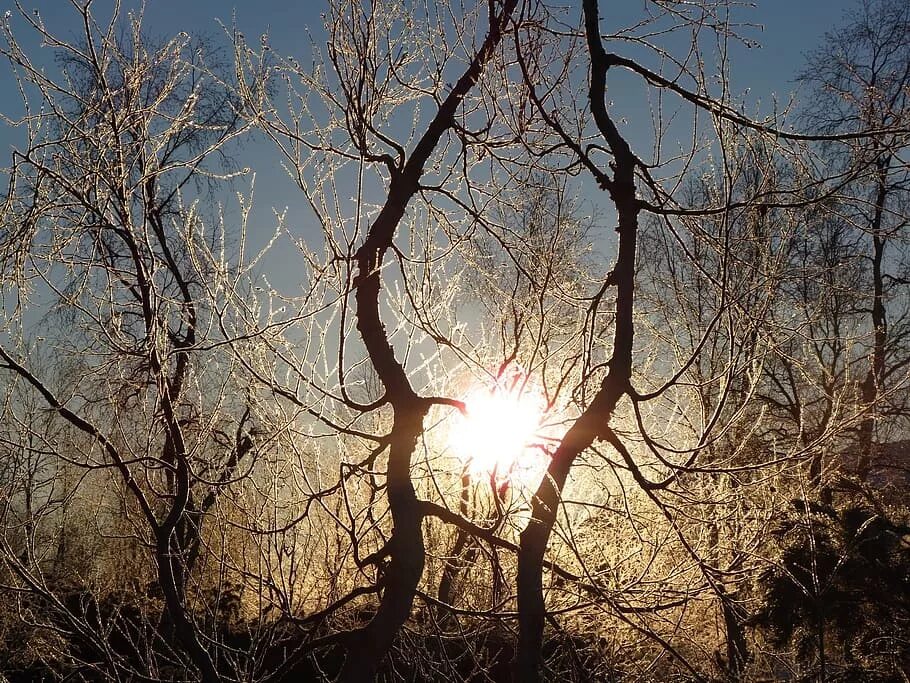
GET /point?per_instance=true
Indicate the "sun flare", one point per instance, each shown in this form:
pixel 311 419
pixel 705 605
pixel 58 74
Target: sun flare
pixel 499 434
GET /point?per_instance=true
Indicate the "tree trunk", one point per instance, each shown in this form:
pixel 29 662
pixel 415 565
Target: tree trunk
pixel 594 421
pixel 875 376
pixel 368 646
pixel 170 577
pixel 407 554
pixel 737 647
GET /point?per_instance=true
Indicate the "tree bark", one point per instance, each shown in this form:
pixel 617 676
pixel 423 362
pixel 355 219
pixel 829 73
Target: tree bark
pixel 594 421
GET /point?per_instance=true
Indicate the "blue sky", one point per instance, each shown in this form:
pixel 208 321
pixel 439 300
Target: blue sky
pixel 790 28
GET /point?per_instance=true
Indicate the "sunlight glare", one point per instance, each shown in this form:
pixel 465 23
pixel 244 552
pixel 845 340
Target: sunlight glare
pixel 499 434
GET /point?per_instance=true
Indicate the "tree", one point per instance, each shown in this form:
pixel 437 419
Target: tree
pixel 628 180
pixel 284 463
pixel 103 218
pixel 859 79
pixel 839 584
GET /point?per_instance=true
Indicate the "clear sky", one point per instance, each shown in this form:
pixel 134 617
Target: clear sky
pixel 789 28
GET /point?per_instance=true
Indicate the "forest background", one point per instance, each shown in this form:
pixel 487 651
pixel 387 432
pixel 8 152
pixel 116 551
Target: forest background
pixel 455 341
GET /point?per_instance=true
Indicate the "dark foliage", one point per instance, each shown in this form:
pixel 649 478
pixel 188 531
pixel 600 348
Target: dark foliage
pixel 840 592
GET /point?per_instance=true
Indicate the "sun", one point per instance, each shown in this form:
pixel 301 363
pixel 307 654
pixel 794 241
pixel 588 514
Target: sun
pixel 499 434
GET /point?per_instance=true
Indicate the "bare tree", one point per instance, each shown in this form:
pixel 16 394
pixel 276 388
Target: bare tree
pixel 634 187
pixel 288 473
pixel 340 124
pixel 102 220
pixel 859 79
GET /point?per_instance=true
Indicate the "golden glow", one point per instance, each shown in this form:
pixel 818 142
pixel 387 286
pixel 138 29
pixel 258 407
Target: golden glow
pixel 498 436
